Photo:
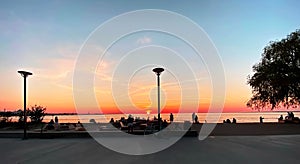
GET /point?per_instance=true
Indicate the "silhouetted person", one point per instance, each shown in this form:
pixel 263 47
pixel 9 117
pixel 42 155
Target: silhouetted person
pixel 50 125
pixel 280 118
pixel 130 124
pixel 171 117
pixel 56 125
pixel 112 120
pixel 196 119
pixel 122 120
pixel 193 117
pixel 78 124
pixel 56 119
pixel 164 124
pixel 289 115
pixel 228 121
pixel 261 119
pixel 234 120
pixel 79 127
pixel 292 115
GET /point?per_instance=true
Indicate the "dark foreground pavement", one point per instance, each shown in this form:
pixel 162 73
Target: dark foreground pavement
pixel 218 149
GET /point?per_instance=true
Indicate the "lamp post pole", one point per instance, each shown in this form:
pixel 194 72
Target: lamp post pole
pixel 158 71
pixel 24 74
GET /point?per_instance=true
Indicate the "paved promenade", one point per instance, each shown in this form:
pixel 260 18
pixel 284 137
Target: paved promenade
pixel 215 149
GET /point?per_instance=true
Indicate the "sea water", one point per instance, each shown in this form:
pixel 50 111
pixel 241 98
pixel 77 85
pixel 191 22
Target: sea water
pixel 251 117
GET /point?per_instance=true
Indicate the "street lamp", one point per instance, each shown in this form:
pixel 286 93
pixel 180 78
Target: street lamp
pixel 158 71
pixel 25 74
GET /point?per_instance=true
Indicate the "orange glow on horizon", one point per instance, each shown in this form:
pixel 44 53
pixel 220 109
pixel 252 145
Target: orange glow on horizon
pixel 70 108
pixel 57 96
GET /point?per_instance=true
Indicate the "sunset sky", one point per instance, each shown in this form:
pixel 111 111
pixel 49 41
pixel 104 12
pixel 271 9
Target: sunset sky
pixel 45 38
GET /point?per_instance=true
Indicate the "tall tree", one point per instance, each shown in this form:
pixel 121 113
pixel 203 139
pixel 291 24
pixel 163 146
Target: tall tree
pixel 37 113
pixel 276 79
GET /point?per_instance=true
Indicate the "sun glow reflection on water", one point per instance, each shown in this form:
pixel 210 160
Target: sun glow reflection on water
pixel 240 117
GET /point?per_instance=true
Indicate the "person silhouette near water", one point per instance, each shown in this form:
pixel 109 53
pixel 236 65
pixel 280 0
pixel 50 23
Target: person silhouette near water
pixel 171 117
pixel 261 119
pixel 56 119
pixel 292 115
pixel 112 121
pixel 164 124
pixel 130 124
pixel 193 117
pixel 50 125
pixel 280 118
pixel 228 121
pixel 234 120
pixel 56 125
pixel 196 119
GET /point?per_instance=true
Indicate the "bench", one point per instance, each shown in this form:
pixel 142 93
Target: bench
pixel 123 127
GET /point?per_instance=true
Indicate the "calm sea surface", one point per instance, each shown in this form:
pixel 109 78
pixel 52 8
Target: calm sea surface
pixel 214 117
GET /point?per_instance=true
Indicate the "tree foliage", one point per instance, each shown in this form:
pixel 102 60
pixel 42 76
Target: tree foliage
pixel 276 79
pixel 37 113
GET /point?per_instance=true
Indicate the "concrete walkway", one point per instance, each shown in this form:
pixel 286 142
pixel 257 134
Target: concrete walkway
pixel 218 149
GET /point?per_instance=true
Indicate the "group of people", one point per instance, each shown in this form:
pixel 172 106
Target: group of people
pixel 195 118
pixel 52 124
pixel 130 121
pixel 228 121
pixel 290 117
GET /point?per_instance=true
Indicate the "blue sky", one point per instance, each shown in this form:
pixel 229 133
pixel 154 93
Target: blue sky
pixel 45 37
